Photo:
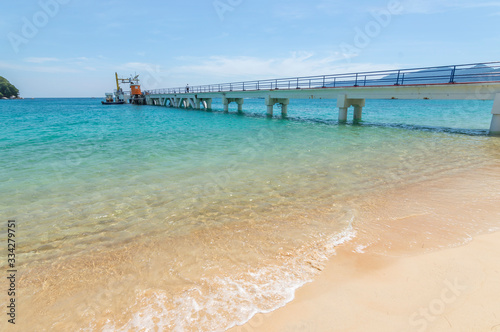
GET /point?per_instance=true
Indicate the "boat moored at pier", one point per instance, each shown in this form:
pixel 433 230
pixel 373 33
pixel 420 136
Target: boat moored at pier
pixel 134 96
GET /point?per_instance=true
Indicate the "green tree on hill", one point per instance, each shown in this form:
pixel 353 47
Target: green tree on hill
pixel 7 89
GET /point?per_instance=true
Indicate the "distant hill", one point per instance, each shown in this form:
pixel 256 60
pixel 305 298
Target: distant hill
pixel 7 90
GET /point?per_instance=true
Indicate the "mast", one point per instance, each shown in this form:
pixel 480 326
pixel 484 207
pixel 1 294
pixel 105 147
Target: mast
pixel 117 85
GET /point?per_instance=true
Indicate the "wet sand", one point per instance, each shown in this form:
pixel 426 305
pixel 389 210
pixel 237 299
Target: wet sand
pixel 426 258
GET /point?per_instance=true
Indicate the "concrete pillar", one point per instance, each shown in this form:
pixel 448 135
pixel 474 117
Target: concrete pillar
pixel 209 104
pixel 342 114
pixel 239 101
pixel 270 105
pixel 357 112
pixel 197 104
pixel 495 117
pixel 343 105
pixel 270 110
pixel 284 110
pixel 284 105
pixel 225 102
pixel 495 125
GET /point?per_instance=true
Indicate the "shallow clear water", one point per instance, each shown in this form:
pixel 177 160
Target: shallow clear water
pixel 144 217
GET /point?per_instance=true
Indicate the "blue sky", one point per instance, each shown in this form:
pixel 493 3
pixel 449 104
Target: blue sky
pixel 70 48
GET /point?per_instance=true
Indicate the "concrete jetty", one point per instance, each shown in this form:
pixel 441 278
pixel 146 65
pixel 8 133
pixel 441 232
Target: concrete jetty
pixel 458 82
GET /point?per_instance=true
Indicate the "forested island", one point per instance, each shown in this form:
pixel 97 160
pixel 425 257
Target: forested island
pixel 7 90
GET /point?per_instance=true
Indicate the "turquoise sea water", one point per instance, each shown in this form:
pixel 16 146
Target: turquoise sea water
pixel 183 220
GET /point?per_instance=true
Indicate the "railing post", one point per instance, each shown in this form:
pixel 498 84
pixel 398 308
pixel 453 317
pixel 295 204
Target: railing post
pixel 403 79
pixel 243 86
pixel 323 81
pixel 334 81
pixel 258 85
pixel 356 82
pixel 309 83
pixel 276 85
pixel 452 77
pixel 397 78
pixel 297 83
pixel 364 83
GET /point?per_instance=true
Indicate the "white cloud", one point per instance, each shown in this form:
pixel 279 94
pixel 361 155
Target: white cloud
pixel 136 66
pixel 39 69
pixel 219 69
pixel 151 75
pixel 54 65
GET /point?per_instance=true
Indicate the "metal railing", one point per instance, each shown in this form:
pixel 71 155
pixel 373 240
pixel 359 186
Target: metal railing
pixel 467 73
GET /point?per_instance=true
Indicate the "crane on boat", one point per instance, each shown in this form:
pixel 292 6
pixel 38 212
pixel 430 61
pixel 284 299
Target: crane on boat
pixel 118 97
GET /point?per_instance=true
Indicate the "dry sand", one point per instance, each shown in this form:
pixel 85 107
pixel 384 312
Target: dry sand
pixel 427 258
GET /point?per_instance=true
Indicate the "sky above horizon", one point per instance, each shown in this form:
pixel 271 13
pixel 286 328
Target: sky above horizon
pixel 69 48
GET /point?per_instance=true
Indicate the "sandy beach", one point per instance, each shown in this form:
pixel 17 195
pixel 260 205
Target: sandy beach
pixel 434 266
pixel 327 227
